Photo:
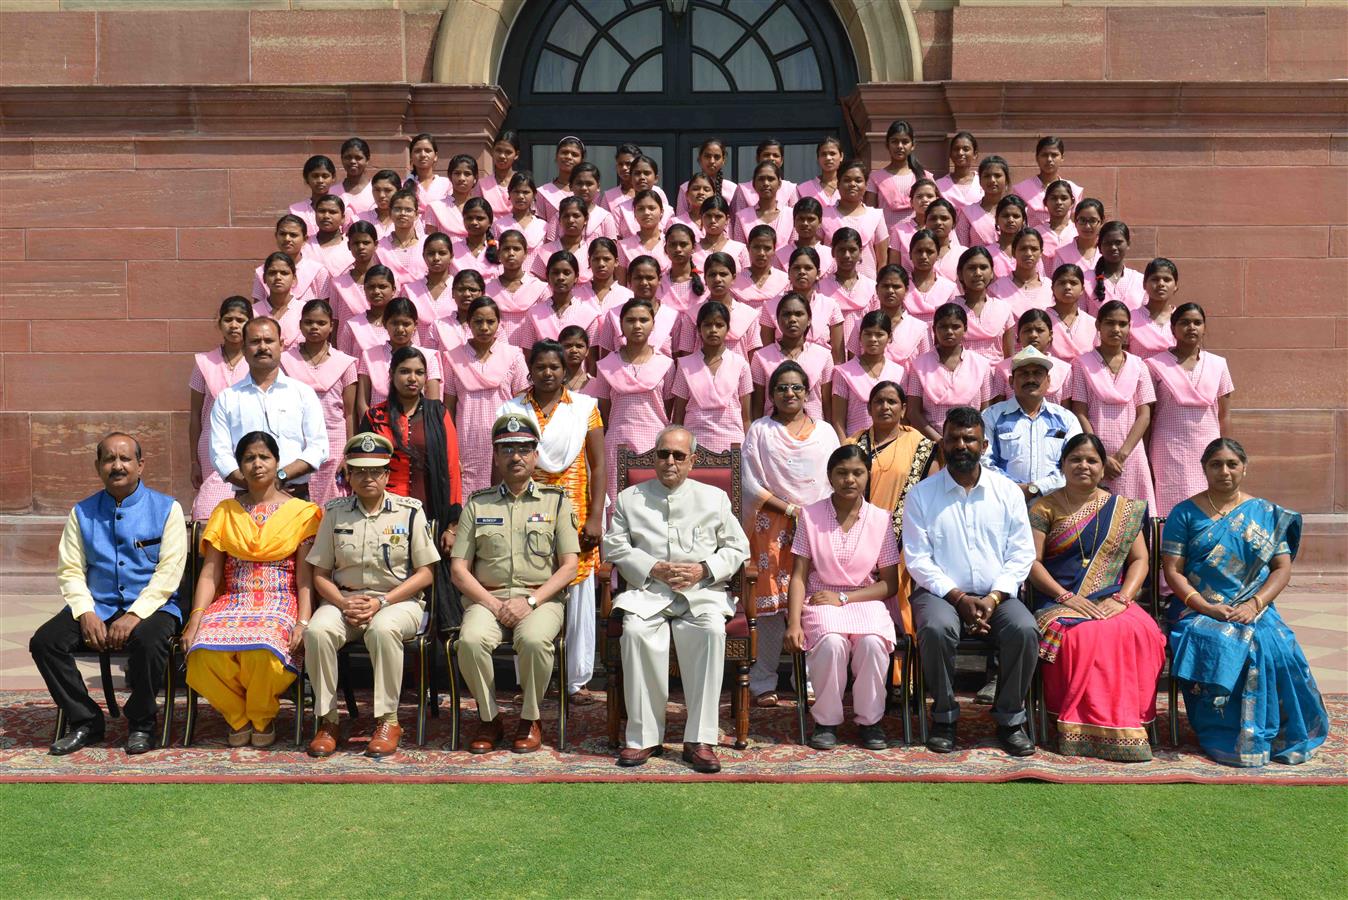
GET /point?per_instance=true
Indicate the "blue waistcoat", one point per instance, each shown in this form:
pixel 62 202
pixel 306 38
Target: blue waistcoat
pixel 121 547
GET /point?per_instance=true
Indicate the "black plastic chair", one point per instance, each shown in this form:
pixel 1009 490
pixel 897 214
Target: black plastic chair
pixel 1158 613
pixel 898 659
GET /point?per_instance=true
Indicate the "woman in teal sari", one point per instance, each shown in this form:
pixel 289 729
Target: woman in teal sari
pixel 1248 689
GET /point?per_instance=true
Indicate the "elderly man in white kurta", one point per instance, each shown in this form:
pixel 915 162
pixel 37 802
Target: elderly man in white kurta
pixel 677 543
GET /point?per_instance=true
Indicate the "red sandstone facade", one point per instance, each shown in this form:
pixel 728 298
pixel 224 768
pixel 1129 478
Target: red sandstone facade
pixel 145 155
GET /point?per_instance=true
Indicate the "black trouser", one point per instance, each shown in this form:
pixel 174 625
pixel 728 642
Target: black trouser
pixel 53 646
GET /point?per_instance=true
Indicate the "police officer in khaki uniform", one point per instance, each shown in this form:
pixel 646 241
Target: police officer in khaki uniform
pixel 515 553
pixel 373 557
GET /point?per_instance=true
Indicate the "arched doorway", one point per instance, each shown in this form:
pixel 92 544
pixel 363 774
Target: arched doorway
pixel 667 74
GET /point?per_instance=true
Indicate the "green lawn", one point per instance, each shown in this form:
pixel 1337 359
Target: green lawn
pixel 686 840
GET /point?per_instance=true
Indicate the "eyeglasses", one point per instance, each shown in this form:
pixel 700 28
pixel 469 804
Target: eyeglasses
pixel 790 389
pixel 367 471
pixel 514 449
pixel 665 453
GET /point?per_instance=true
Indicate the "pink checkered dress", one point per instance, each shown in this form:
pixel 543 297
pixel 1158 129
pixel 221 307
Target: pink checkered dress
pixel 714 414
pixel 480 387
pixel 1112 402
pixel 637 396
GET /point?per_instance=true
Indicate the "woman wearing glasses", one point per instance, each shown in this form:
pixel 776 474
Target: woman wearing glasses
pixel 785 469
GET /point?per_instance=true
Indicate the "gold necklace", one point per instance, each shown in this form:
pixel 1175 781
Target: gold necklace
pixel 1207 495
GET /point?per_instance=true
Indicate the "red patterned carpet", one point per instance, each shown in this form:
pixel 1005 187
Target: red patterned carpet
pixel 28 717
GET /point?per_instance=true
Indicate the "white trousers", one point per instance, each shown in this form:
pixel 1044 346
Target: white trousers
pixel 827 664
pixel 700 642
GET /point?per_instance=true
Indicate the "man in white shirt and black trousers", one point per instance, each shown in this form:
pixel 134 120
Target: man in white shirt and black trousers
pixel 967 543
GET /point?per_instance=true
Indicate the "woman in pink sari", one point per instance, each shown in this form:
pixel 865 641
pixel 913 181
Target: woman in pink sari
pixel 1101 651
pixel 844 578
pixel 212 372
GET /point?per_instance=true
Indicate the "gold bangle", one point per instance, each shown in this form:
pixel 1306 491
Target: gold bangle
pixel 198 611
pixel 1189 595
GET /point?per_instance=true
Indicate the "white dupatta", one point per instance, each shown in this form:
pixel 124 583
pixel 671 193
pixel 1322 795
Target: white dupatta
pixel 775 463
pixel 564 437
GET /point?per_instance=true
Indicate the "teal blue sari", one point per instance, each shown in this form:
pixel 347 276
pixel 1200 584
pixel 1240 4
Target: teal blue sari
pixel 1248 689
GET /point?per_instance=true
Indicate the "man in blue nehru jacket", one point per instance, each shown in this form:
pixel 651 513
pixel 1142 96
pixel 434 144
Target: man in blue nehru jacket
pixel 119 564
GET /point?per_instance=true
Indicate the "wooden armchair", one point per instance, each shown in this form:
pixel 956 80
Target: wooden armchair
pixel 720 470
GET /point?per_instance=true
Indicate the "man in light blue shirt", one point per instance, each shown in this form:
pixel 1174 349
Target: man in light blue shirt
pixel 267 400
pixel 967 544
pixel 1026 434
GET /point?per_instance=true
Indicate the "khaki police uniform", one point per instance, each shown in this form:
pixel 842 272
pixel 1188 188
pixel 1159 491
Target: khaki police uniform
pixel 512 544
pixel 369 553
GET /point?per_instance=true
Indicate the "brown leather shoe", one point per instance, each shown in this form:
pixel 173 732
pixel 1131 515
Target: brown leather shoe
pixel 487 737
pixel 384 741
pixel 528 737
pixel 325 740
pixel 702 758
pixel 631 757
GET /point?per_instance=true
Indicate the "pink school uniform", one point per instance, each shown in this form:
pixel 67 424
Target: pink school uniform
pixel 745 290
pixel 312 282
pixel 599 224
pixel 961 195
pixel 679 294
pixel 630 247
pixel 714 411
pixel 304 210
pixel 535 233
pixel 814 188
pixel 328 379
pixel 1068 253
pixel 211 375
pixel 494 192
pixel 1069 343
pixel 852 302
pixel 1059 380
pixel 976 226
pixel 814 359
pixel 611 338
pixel 869 223
pixel 358 333
pixel 984 334
pixel 546 201
pixel 336 258
pixel 617 295
pixel 406 263
pixel 1184 422
pixel 444 216
pixel 901 236
pixel 1003 263
pixel 826 267
pixel 382 229
pixel 1022 297
pixel 348 297
pixel 746 196
pixel 462 257
pixel 891 194
pixel 356 203
pixel 289 319
pixel 626 217
pixel 429 308
pixel 692 225
pixel 515 305
pixel 374 363
pixel 1128 288
pixel 437 187
pixel 824 314
pixel 446 334
pixel 1112 402
pixel 851 383
pixel 941 389
pixel 911 336
pixel 948 263
pixel 1053 240
pixel 637 395
pixel 746 220
pixel 1031 190
pixel 923 304
pixel 542 322
pixel 728 190
pixel 479 388
pixel 1147 338
pixel 732 248
pixel 744 336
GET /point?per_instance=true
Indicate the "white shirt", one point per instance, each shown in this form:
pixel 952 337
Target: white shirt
pixel 289 411
pixel 977 541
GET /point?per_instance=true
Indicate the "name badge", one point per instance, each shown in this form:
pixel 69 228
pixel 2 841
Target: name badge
pixel 489 520
pixel 343 531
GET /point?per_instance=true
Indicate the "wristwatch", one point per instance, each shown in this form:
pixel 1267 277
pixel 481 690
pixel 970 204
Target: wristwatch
pixel 842 597
pixel 383 601
pixel 281 475
pixel 1032 489
pixel 532 601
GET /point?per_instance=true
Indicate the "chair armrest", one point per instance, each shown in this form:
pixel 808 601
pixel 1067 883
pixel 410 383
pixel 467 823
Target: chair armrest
pixel 605 592
pixel 748 576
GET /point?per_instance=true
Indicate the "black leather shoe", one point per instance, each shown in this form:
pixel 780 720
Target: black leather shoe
pixel 138 742
pixel 1014 740
pixel 941 737
pixel 872 737
pixel 825 737
pixel 76 738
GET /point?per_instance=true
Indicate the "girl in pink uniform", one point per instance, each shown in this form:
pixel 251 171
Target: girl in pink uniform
pixel 1084 249
pixel 424 154
pixel 1034 329
pixel 332 375
pixel 632 386
pixel 570 153
pixel 645 177
pixel 623 157
pixel 212 372
pixel 825 317
pixel 823 188
pixel 1010 222
pixel 366 328
pixel 1112 395
pixel 808 220
pixel 854 380
pixel 923 193
pixel 991 322
pixel 852 291
pixel 521 216
pixel 278 274
pixel 319 175
pixel 311 276
pixel 383 186
pixel 400 249
pixel 479 376
pixel 585 185
pixel 545 321
pixel 479 249
pixel 742 336
pixel 327 245
pixel 372 370
pixel 762 282
pixel 767 208
pixel 1113 280
pixel 946 377
pixel 446 214
pixel 929 290
pixel 432 294
pixel 514 290
pixel 961 184
pixel 978 221
pixel 648 212
pixel 715 221
pixel 354 188
pixel 941 223
pixel 643 278
pixel 698 191
pixel 576 351
pixel 711 160
pixel 1193 400
pixel 793 328
pixel 682 286
pixel 750 194
pixel 348 286
pixel 713 389
pixel 1059 201
pixel 450 326
pixel 1149 332
pixel 852 212
pixel 603 288
pixel 909 335
pixel 1048 155
pixel 495 186
pixel 572 216
pixel 889 189
pixel 1024 287
pixel 1074 331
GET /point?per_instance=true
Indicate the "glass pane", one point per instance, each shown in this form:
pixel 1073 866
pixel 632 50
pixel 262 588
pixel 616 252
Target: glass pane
pixel 571 32
pixel 638 33
pixel 602 156
pixel 602 10
pixel 554 74
pixel 800 162
pixel 749 10
pixel 751 69
pixel 745 157
pixel 649 76
pixel 781 30
pixel 800 71
pixel 714 32
pixel 543 158
pixel 604 69
pixel 707 77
